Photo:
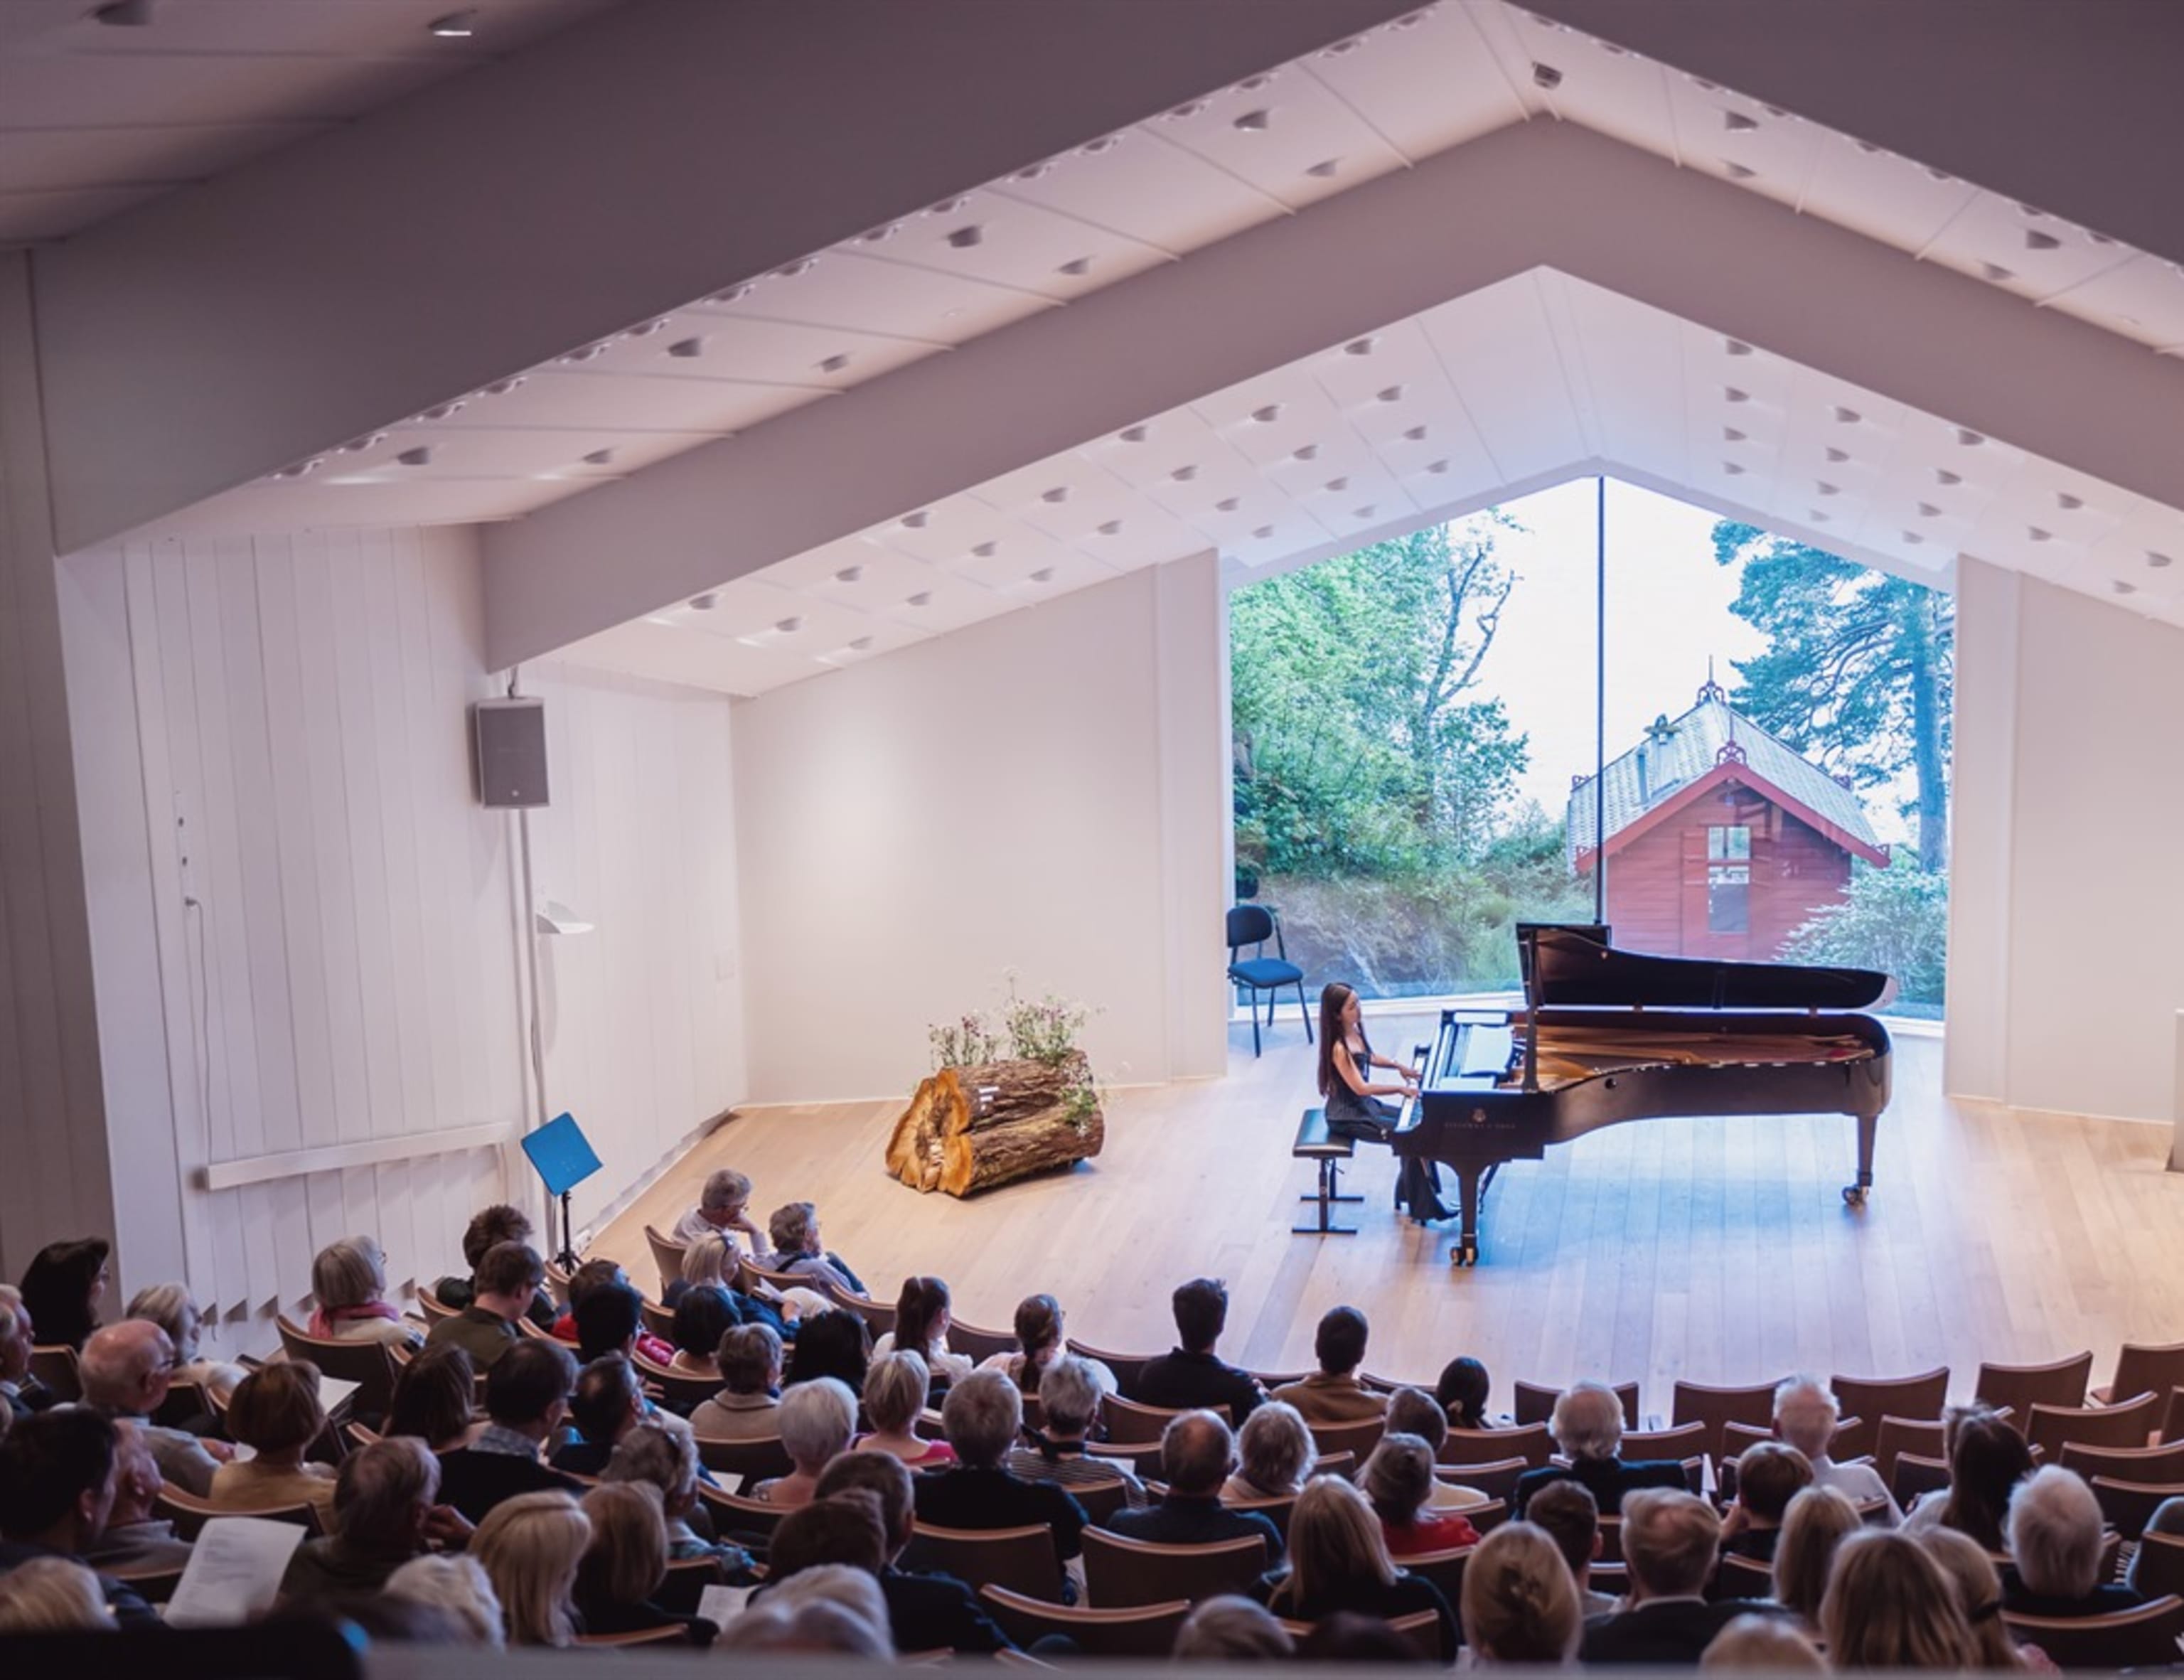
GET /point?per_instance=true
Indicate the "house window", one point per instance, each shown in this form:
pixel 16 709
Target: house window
pixel 1729 879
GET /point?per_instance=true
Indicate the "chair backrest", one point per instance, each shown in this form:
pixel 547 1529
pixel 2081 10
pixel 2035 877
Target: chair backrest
pixel 1358 1438
pixel 433 1308
pixel 1249 924
pixel 1488 1517
pixel 557 1283
pixel 2158 1568
pixel 55 1366
pixel 1130 1424
pixel 1489 1480
pixel 1276 1511
pixel 2141 1638
pixel 683 1390
pixel 2172 1421
pixel 1743 1577
pixel 2140 1366
pixel 1126 1367
pixel 2020 1387
pixel 1531 1403
pixel 1143 1631
pixel 1121 1572
pixel 666 1257
pixel 878 1316
pixel 754 1460
pixel 1736 1436
pixel 1343 1464
pixel 735 1515
pixel 185 1402
pixel 2128 1464
pixel 368 1365
pixel 1022 1560
pixel 1444 1569
pixel 527 1325
pixel 1913 1474
pixel 1142 1459
pixel 2126 1506
pixel 1899 1435
pixel 190 1514
pixel 1683 1442
pixel 657 1319
pixel 667 1633
pixel 978 1345
pixel 1100 1499
pixel 1530 1443
pixel 1711 1409
pixel 2130 1423
pixel 1919 1397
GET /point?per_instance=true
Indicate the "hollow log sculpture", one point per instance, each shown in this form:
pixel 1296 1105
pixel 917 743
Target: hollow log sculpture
pixel 970 1129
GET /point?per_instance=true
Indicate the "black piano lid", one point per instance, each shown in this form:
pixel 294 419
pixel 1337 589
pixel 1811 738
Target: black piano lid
pixel 1574 965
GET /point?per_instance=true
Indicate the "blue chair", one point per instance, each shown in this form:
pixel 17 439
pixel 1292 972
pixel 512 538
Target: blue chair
pixel 1254 924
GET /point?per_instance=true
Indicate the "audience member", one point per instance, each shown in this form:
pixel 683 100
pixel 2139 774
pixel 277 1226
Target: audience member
pixel 1669 1540
pixel 926 1612
pixel 793 1231
pixel 2168 1519
pixel 1768 1476
pixel 135 1541
pixel 435 1400
pixel 1042 1339
pixel 1806 1412
pixel 170 1306
pixel 1355 1640
pixel 277 1415
pixel 709 1262
pixel 20 1393
pixel 747 1408
pixel 1191 1374
pixel 722 1209
pixel 1520 1604
pixel 457 1586
pixel 1276 1453
pixel 829 1608
pixel 62 1289
pixel 817 1420
pixel 1338 1561
pixel 1987 1458
pixel 1398 1480
pixel 1565 1513
pixel 1412 1411
pixel 1231 1628
pixel 1333 1394
pixel 661 1452
pixel 1463 1393
pixel 896 1387
pixel 53 1595
pixel 1978 1585
pixel 982 1416
pixel 1069 1406
pixel 126 1369
pixel 1198 1452
pixel 1890 1606
pixel 530 1547
pixel 1587 1425
pixel 702 1317
pixel 386 1510
pixel 57 1491
pixel 608 1317
pixel 1757 1644
pixel 488 1230
pixel 2055 1532
pixel 526 1395
pixel 922 1318
pixel 1816 1522
pixel 625 1566
pixel 833 1343
pixel 605 1406
pixel 505 1289
pixel 349 1280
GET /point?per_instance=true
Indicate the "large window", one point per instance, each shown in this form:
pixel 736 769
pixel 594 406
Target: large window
pixel 1729 879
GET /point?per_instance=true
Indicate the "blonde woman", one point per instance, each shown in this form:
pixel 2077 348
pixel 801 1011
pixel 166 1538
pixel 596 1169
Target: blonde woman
pixel 456 1586
pixel 1520 1602
pixel 895 1392
pixel 627 1561
pixel 817 1420
pixel 52 1595
pixel 1972 1572
pixel 1816 1522
pixel 276 1414
pixel 531 1547
pixel 348 1279
pixel 170 1306
pixel 1338 1561
pixel 1276 1451
pixel 1891 1605
pixel 1760 1642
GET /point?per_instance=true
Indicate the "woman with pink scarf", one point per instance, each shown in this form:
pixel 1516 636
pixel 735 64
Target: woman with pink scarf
pixel 349 1279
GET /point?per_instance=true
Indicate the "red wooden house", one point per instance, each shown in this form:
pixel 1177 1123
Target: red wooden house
pixel 1721 839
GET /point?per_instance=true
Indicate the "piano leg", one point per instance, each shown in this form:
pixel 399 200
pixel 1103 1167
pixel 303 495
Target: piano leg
pixel 1854 1194
pixel 1470 1193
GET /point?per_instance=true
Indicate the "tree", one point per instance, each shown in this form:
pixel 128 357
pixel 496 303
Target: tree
pixel 1859 672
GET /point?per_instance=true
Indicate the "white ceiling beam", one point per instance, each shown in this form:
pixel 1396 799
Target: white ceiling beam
pixel 1541 195
pixel 2071 108
pixel 613 171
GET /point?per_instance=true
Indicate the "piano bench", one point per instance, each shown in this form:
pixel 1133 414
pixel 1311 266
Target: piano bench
pixel 1315 1143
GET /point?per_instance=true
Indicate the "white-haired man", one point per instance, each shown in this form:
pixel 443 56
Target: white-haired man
pixel 127 1368
pixel 1670 1543
pixel 1806 1412
pixel 2054 1534
pixel 1587 1425
pixel 723 1210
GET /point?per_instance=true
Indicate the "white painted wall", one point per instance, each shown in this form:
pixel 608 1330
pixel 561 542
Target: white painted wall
pixel 2066 938
pixel 1043 792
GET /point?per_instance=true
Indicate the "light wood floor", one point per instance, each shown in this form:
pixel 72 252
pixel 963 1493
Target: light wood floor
pixel 1720 1249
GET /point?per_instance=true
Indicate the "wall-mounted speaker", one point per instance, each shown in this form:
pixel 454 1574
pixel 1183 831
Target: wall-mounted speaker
pixel 509 738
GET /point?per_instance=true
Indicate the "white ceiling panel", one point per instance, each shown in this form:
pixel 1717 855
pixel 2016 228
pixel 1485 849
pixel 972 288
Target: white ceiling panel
pixel 1275 131
pixel 1025 579
pixel 948 604
pixel 572 398
pixel 1424 84
pixel 686 345
pixel 2141 298
pixel 2016 247
pixel 1883 195
pixel 845 288
pixel 1012 242
pixel 1138 184
pixel 1494 344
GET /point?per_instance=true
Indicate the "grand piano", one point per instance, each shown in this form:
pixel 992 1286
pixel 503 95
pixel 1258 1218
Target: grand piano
pixel 1608 1035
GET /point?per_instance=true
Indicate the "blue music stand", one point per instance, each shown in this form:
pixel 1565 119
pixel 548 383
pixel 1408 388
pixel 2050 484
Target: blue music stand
pixel 564 1157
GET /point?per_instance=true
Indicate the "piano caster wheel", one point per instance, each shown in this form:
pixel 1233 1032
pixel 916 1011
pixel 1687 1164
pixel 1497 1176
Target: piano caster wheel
pixel 1854 1195
pixel 1464 1255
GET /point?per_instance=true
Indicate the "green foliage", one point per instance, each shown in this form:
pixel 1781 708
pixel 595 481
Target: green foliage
pixel 965 1043
pixel 1044 1031
pixel 1895 919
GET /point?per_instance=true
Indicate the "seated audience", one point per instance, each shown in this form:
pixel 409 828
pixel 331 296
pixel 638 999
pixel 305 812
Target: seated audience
pixel 747 1408
pixel 926 1612
pixel 921 1325
pixel 349 1280
pixel 1231 1628
pixel 1806 1412
pixel 625 1566
pixel 793 1231
pixel 1346 1636
pixel 817 1420
pixel 1587 1426
pixel 710 1261
pixel 1978 1585
pixel 1463 1393
pixel 386 1509
pixel 895 1389
pixel 723 1210
pixel 1891 1605
pixel 1520 1603
pixel 834 1343
pixel 1042 1338
pixel 829 1608
pixel 1397 1479
pixel 531 1547
pixel 53 1595
pixel 1815 1523
pixel 1191 1374
pixel 615 1323
pixel 135 1540
pixel 1197 1453
pixel 455 1585
pixel 57 1488
pixel 1276 1452
pixel 126 1370
pixel 62 1289
pixel 1333 1394
pixel 981 1416
pixel 1768 1477
pixel 1757 1644
pixel 435 1400
pixel 1412 1411
pixel 2168 1518
pixel 2054 1532
pixel 276 1414
pixel 604 1407
pixel 1069 1404
pixel 661 1452
pixel 488 1230
pixel 505 1289
pixel 170 1306
pixel 702 1317
pixel 20 1393
pixel 1987 1458
pixel 1565 1513
pixel 1669 1539
pixel 526 1395
pixel 1338 1562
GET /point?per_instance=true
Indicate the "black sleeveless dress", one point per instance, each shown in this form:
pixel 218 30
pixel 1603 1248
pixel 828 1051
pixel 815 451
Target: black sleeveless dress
pixel 1371 1120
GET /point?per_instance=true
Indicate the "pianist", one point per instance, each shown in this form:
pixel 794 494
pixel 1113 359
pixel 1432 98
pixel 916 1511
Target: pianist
pixel 1358 1108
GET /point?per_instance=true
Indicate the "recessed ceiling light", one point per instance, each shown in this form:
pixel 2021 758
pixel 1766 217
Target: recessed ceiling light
pixel 849 574
pixel 1928 511
pixel 1848 416
pixel 1263 532
pixel 419 456
pixel 357 446
pixel 1737 123
pixel 600 458
pixel 1364 512
pixel 947 207
pixel 1253 122
pixel 1268 415
pixel 455 26
pixel 2069 503
pixel 1033 172
pixel 1943 475
pixel 1729 393
pixel 1077 267
pixel 861 643
pixel 686 349
pixel 1094 148
pixel 802 266
pixel 1547 76
pixel 706 602
pixel 1340 48
pixel 1339 483
pixel 1111 527
pixel 1414 434
pixel 1996 273
pixel 1736 171
pixel 1044 575
pixel 1730 434
pixel 923 598
pixel 1941 175
pixel 2039 535
pixel 1325 169
pixel 1838 455
pixel 501 387
pixel 1059 492
pixel 645 329
pixel 301 469
pixel 1305 452
pixel 1816 516
pixel 734 294
pixel 1388 393
pixel 1437 467
pixel 918 521
pixel 1183 112
pixel 1133 434
pixel 1826 488
pixel 1184 474
pixel 880 235
pixel 1227 504
pixel 1252 84
pixel 1410 20
pixel 963 238
pixel 1969 439
pixel 136 13
pixel 2157 560
pixel 1359 347
pixel 2123 589
pixel 1913 537
pixel 2034 240
pixel 987 549
pixel 588 353
pixel 1731 467
pixel 442 411
pixel 834 364
pixel 790 626
pixel 1736 347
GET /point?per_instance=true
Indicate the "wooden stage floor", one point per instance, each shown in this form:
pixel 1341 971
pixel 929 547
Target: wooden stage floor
pixel 1719 1250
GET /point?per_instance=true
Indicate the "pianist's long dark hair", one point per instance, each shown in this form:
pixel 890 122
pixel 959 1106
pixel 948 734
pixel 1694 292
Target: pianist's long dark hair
pixel 1333 998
